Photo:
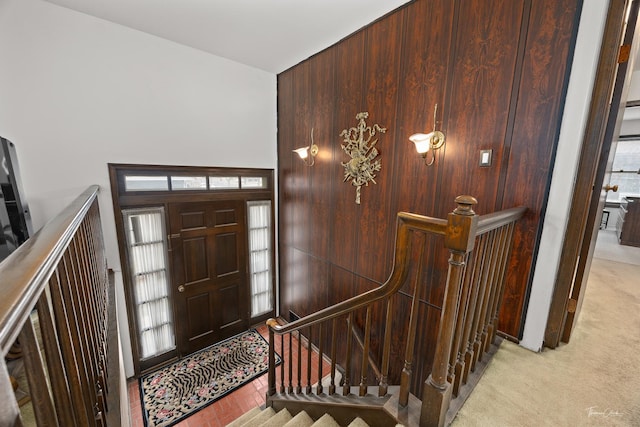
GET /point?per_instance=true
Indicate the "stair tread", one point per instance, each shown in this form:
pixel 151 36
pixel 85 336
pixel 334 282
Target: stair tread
pixel 302 419
pixel 244 417
pixel 358 422
pixel 279 419
pixel 326 421
pixel 257 417
pixel 260 418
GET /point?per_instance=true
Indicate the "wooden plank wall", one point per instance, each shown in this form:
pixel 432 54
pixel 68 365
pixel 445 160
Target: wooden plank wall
pixel 498 70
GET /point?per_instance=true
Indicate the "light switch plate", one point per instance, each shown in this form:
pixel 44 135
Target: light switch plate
pixel 486 157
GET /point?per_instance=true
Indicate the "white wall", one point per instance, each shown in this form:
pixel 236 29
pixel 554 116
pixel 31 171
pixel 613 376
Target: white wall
pixel 77 93
pixel 564 172
pixel 631 118
pixel 634 88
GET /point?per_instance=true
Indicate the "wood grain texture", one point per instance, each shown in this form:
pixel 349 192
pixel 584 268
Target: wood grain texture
pixel 301 189
pixel 537 125
pixel 426 49
pixel 375 226
pixel 285 155
pixel 485 49
pixel 348 93
pixel 321 174
pixel 498 70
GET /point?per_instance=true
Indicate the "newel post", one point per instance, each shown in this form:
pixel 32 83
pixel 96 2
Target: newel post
pixel 459 239
pixel 271 376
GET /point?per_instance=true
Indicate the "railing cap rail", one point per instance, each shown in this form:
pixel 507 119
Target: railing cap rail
pixel 25 272
pixel 494 220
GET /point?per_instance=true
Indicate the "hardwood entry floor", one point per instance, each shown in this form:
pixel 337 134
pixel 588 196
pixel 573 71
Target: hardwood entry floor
pixel 223 411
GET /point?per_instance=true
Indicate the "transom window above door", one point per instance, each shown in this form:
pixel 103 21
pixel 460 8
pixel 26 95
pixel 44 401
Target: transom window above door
pixel 135 183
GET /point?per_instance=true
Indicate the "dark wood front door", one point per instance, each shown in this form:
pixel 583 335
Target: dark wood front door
pixel 209 272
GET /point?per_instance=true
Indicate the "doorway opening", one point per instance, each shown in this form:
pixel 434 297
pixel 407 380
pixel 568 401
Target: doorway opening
pixel 196 250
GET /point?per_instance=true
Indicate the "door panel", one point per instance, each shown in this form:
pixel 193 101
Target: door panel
pixel 230 313
pixel 198 327
pixel 208 253
pixel 227 261
pixel 194 253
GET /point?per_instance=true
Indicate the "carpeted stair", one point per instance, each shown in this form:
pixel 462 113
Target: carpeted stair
pixel 269 418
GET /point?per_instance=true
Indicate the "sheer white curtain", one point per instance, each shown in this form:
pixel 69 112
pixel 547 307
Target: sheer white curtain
pixel 146 246
pixel 259 218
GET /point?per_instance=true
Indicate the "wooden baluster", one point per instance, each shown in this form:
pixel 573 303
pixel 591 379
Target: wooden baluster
pixel 407 369
pixel 495 288
pixel 319 387
pixel 99 290
pixel 290 389
pixel 101 273
pixel 482 285
pixel 282 364
pixel 346 389
pixel 365 353
pixel 308 389
pixel 102 277
pixel 332 387
pixel 86 343
pixel 70 344
pixel 468 339
pixel 36 377
pixel 502 278
pixel 455 358
pixel 9 410
pixel 490 266
pixel 299 387
pixel 459 239
pixel 87 297
pixel 59 384
pixel 99 416
pixel 271 376
pixel 383 387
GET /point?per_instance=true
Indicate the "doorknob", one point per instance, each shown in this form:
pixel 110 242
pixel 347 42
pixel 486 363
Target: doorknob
pixel 181 288
pixel 608 187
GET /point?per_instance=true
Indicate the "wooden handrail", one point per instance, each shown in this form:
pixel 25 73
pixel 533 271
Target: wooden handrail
pixel 24 274
pixel 405 223
pixel 495 220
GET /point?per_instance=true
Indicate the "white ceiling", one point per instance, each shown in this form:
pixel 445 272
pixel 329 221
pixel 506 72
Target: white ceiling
pixel 272 35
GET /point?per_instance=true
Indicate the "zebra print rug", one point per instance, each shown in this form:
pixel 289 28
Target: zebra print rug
pixel 183 388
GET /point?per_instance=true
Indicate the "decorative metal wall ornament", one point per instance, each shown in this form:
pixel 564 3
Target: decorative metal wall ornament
pixel 362 167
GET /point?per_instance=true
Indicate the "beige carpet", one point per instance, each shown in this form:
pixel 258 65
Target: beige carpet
pixel 592 381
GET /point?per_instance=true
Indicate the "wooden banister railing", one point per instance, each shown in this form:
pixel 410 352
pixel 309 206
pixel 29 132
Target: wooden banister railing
pixel 473 292
pixel 467 327
pixel 405 223
pixel 58 280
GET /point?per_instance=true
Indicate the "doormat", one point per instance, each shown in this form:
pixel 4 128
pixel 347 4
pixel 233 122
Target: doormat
pixel 174 392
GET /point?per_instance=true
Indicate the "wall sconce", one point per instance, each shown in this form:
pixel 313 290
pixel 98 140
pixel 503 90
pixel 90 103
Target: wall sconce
pixel 308 154
pixel 426 142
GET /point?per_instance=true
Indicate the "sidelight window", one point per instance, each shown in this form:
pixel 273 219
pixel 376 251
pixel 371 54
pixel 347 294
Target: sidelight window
pixel 260 255
pixel 147 246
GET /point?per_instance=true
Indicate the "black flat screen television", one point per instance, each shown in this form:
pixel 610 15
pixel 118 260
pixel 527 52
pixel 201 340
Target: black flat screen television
pixel 15 219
